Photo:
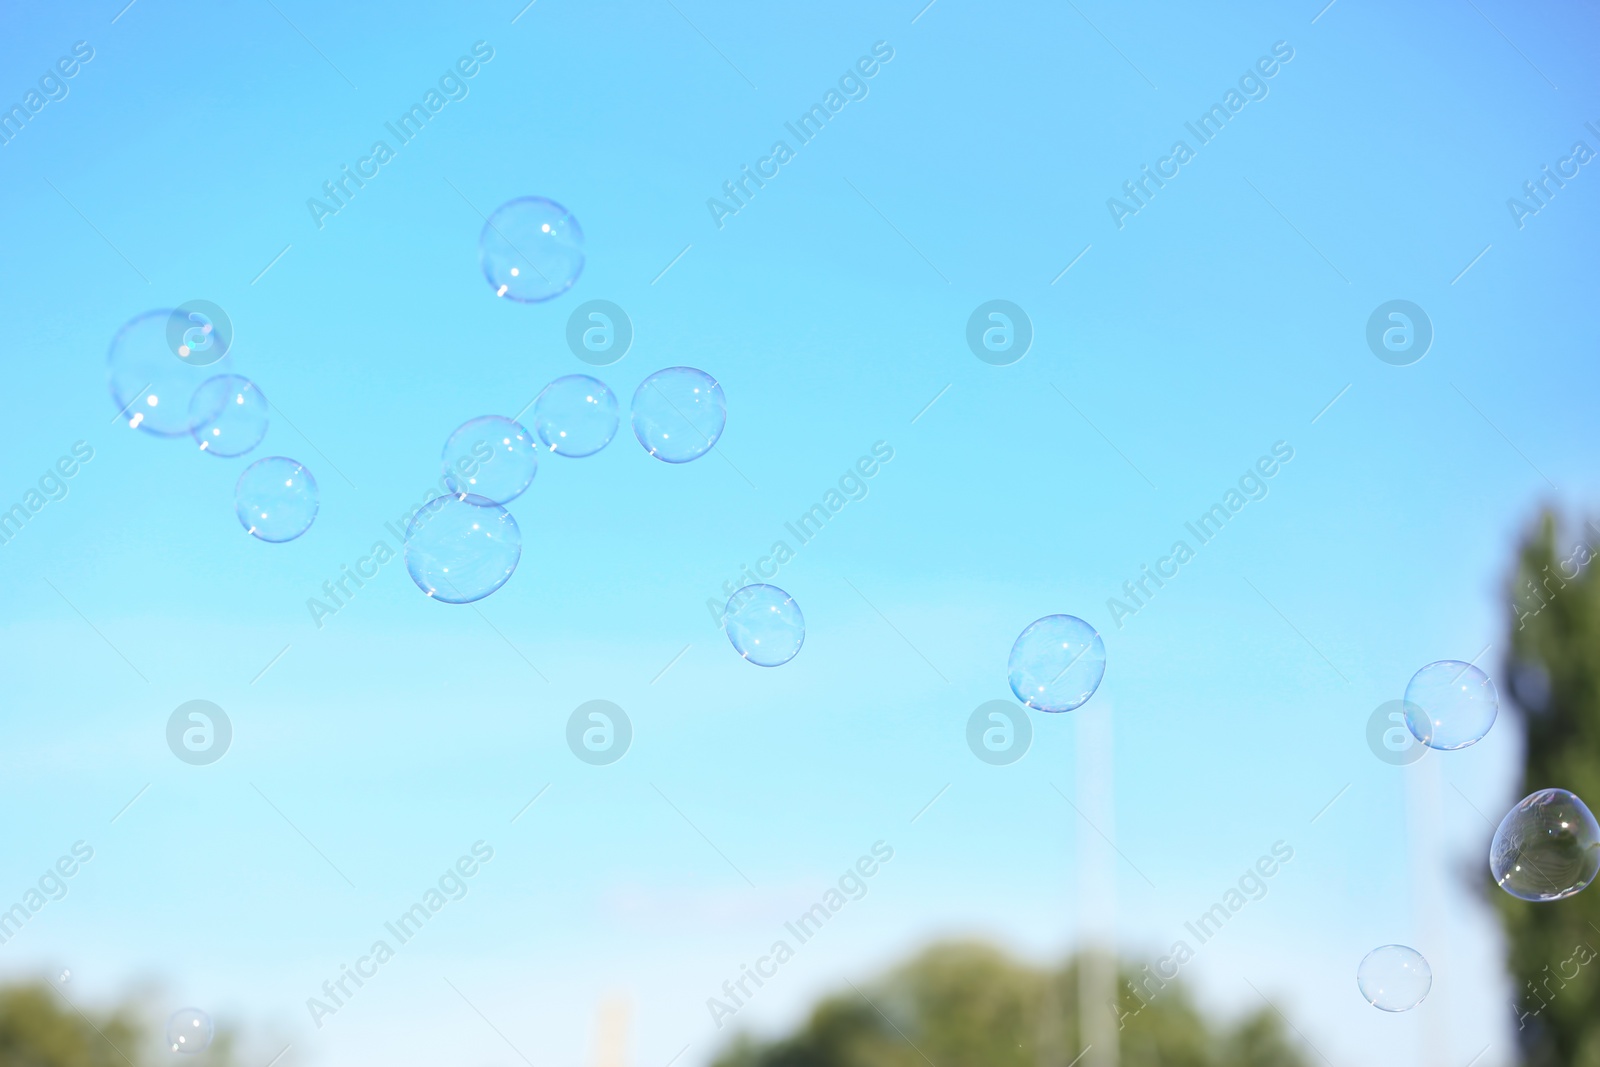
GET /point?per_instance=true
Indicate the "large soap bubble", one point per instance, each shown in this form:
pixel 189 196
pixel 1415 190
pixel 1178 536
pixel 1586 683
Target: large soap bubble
pixel 1547 847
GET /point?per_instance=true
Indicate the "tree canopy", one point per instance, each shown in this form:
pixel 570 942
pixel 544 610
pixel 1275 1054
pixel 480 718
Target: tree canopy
pixel 964 1004
pixel 1554 669
pixel 41 1027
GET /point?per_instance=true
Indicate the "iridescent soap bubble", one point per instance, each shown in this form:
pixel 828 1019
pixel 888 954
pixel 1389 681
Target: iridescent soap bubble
pixel 575 416
pixel 490 457
pixel 1547 847
pixel 1057 663
pixel 462 548
pixel 679 413
pixel 276 499
pixel 228 415
pixel 531 249
pixel 189 1031
pixel 1450 704
pixel 765 625
pixel 1394 978
pixel 150 384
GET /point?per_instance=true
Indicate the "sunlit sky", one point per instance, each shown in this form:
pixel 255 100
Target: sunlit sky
pixel 1224 319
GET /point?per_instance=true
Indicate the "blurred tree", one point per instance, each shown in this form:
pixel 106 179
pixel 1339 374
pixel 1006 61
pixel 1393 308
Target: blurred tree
pixel 968 1005
pixel 1554 671
pixel 40 1029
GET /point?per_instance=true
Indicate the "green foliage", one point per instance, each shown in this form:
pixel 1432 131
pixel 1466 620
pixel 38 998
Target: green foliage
pixel 968 1005
pixel 40 1027
pixel 1554 666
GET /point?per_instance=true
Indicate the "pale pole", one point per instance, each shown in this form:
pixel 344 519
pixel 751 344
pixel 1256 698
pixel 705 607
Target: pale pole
pixel 611 1031
pixel 1424 830
pixel 1097 885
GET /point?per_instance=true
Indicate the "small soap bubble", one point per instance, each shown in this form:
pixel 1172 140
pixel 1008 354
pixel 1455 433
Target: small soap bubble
pixel 276 499
pixel 490 457
pixel 1394 978
pixel 65 976
pixel 150 384
pixel 679 413
pixel 228 415
pixel 462 548
pixel 189 1031
pixel 764 625
pixel 1057 663
pixel 1547 847
pixel 1450 705
pixel 531 250
pixel 576 416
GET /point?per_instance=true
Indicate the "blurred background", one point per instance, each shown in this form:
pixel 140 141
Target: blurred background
pixel 623 903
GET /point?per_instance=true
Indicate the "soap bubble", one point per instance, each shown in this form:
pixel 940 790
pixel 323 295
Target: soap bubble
pixel 575 416
pixel 1450 705
pixel 531 249
pixel 678 414
pixel 490 457
pixel 764 625
pixel 1547 847
pixel 1057 663
pixel 150 384
pixel 189 1031
pixel 1394 978
pixel 462 548
pixel 276 499
pixel 228 415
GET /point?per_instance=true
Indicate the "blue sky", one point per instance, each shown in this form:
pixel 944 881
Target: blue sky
pixel 1220 319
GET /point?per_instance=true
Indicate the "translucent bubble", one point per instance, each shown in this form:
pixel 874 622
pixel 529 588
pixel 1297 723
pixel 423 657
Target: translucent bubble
pixel 1547 847
pixel 462 548
pixel 576 416
pixel 1394 978
pixel 765 625
pixel 276 499
pixel 679 413
pixel 150 384
pixel 189 1030
pixel 228 415
pixel 1057 663
pixel 1450 704
pixel 65 976
pixel 490 457
pixel 531 249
